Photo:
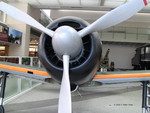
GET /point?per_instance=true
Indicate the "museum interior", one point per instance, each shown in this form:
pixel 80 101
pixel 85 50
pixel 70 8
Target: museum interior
pixel 123 47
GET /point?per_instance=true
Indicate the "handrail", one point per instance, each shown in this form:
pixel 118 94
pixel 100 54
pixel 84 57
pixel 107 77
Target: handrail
pixel 25 60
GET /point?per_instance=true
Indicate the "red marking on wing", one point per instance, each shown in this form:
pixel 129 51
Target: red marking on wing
pixel 145 2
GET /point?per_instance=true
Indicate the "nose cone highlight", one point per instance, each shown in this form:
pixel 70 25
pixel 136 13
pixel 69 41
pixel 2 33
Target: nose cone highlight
pixel 66 41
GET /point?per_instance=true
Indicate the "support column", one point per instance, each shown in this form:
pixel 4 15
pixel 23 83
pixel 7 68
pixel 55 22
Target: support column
pixel 23 49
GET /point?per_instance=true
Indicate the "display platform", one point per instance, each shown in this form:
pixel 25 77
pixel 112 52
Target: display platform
pixel 109 98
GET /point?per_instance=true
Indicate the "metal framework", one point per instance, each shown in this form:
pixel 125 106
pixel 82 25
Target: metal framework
pixel 2 92
pixel 146 97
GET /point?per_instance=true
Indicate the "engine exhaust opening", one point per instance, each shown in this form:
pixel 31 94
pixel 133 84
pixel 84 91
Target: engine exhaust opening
pixel 74 87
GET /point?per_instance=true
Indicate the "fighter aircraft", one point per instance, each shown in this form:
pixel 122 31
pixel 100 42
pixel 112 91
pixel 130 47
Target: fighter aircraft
pixel 70 50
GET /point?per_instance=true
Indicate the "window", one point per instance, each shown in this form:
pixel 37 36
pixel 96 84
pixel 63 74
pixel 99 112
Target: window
pixel 1 16
pixel 147 49
pixel 2 50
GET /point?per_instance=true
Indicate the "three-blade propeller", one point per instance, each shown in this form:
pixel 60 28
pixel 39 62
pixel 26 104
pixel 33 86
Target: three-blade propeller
pixel 112 18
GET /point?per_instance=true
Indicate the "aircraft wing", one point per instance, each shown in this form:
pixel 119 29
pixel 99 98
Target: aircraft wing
pixel 24 71
pixel 122 76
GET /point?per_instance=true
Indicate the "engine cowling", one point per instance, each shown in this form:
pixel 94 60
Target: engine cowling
pixel 84 66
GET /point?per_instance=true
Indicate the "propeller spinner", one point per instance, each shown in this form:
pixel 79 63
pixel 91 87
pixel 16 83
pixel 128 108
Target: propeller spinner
pixel 66 41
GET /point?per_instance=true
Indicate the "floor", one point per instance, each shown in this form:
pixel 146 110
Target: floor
pixel 109 98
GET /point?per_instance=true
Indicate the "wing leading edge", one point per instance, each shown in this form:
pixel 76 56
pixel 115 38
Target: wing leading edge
pixel 24 71
pixel 104 77
pixel 123 76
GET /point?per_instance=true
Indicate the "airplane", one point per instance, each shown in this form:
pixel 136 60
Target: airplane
pixel 70 50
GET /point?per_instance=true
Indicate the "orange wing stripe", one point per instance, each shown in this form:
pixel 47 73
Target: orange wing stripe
pixel 116 76
pixel 24 70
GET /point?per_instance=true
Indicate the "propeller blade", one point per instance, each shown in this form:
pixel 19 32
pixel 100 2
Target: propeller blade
pixel 115 16
pixel 21 16
pixel 65 105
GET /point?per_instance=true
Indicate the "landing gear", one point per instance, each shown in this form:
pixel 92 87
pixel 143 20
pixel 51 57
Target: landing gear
pixel 2 109
pixel 145 97
pixel 2 92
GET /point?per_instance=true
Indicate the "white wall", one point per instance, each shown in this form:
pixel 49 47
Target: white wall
pixel 19 50
pixel 94 15
pixel 120 54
